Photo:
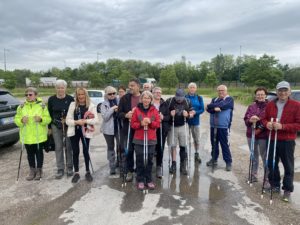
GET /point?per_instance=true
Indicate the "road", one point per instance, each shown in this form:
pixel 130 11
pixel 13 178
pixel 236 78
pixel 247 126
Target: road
pixel 203 198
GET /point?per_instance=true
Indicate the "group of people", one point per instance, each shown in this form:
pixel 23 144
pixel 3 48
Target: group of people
pixel 140 121
pixel 277 121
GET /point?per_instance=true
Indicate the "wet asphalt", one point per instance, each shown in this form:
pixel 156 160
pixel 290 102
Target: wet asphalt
pixel 202 197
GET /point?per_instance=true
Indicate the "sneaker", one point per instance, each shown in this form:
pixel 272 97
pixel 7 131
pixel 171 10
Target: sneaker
pixel 267 185
pixel 70 172
pixel 197 158
pixel 88 177
pixel 151 186
pixel 286 196
pixel 141 186
pixel 276 189
pixel 211 162
pixel 59 174
pixel 228 167
pixel 159 172
pixel 31 174
pixel 39 173
pixel 75 178
pixel 173 168
pixel 129 177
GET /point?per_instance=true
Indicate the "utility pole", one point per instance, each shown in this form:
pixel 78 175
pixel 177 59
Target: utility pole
pixel 4 56
pixel 98 53
pixel 240 62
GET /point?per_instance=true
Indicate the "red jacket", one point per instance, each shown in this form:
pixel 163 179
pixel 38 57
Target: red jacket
pixel 138 115
pixel 290 119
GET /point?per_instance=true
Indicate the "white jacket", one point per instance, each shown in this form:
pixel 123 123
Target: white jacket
pixel 71 122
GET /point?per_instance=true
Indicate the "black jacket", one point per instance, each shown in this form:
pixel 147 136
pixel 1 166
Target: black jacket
pixel 178 107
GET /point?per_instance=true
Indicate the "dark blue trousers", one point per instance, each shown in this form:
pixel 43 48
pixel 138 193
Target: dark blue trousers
pixel 222 138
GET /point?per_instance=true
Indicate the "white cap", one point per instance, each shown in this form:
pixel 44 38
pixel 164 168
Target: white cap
pixel 283 84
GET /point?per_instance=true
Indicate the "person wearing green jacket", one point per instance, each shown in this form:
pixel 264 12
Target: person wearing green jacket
pixel 33 118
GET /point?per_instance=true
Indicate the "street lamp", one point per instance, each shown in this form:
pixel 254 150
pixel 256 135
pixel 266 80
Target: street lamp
pixel 98 53
pixel 4 56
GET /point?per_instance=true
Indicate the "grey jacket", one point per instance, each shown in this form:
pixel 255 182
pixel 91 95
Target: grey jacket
pixel 107 112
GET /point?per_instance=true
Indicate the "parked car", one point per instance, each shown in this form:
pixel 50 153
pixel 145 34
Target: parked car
pixel 295 94
pixel 9 132
pixel 97 97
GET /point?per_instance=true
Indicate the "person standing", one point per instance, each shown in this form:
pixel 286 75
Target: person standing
pixel 58 106
pixel 194 120
pixel 121 91
pixel 221 111
pixel 162 107
pixel 147 87
pixel 32 118
pixel 109 126
pixel 254 114
pixel 180 109
pixel 287 111
pixel 125 110
pixel 145 120
pixel 81 117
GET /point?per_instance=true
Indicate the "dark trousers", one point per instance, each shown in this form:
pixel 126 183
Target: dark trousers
pixel 158 148
pixel 35 155
pixel 110 141
pixel 75 146
pixel 130 155
pixel 284 152
pixel 143 172
pixel 222 138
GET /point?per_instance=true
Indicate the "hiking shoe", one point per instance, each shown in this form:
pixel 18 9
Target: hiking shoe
pixel 267 185
pixel 141 186
pixel 183 170
pixel 88 177
pixel 197 158
pixel 59 174
pixel 286 196
pixel 276 189
pixel 173 168
pixel 151 186
pixel 211 162
pixel 39 173
pixel 31 174
pixel 70 172
pixel 75 178
pixel 159 172
pixel 228 167
pixel 129 177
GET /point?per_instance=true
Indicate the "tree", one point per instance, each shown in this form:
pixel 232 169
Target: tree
pixel 10 80
pixel 125 77
pixel 211 79
pixel 262 72
pixel 168 77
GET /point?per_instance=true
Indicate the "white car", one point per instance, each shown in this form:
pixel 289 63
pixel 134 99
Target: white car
pixel 97 97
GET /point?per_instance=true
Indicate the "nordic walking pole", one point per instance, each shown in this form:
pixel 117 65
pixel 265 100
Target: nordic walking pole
pixel 266 162
pixel 145 151
pixel 186 143
pixel 161 148
pixel 125 154
pixel 64 135
pixel 252 144
pixel 273 162
pixel 20 160
pixel 173 142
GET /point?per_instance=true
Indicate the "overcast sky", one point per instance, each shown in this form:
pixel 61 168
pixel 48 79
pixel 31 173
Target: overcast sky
pixel 42 34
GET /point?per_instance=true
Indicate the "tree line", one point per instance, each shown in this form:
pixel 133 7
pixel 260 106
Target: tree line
pixel 248 69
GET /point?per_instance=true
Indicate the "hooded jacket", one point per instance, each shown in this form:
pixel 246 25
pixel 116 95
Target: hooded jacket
pixel 138 115
pixel 33 132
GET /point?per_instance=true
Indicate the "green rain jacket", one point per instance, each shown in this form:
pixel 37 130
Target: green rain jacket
pixel 33 132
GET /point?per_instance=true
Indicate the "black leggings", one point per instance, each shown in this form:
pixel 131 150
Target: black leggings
pixel 35 155
pixel 75 146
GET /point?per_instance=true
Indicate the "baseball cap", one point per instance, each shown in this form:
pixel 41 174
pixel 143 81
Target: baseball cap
pixel 180 94
pixel 283 84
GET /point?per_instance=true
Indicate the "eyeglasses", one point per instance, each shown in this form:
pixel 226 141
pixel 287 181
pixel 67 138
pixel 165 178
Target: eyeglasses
pixel 157 92
pixel 110 94
pixel 26 95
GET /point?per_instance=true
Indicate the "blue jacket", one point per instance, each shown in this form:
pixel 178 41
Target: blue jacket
pixel 198 106
pixel 223 118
